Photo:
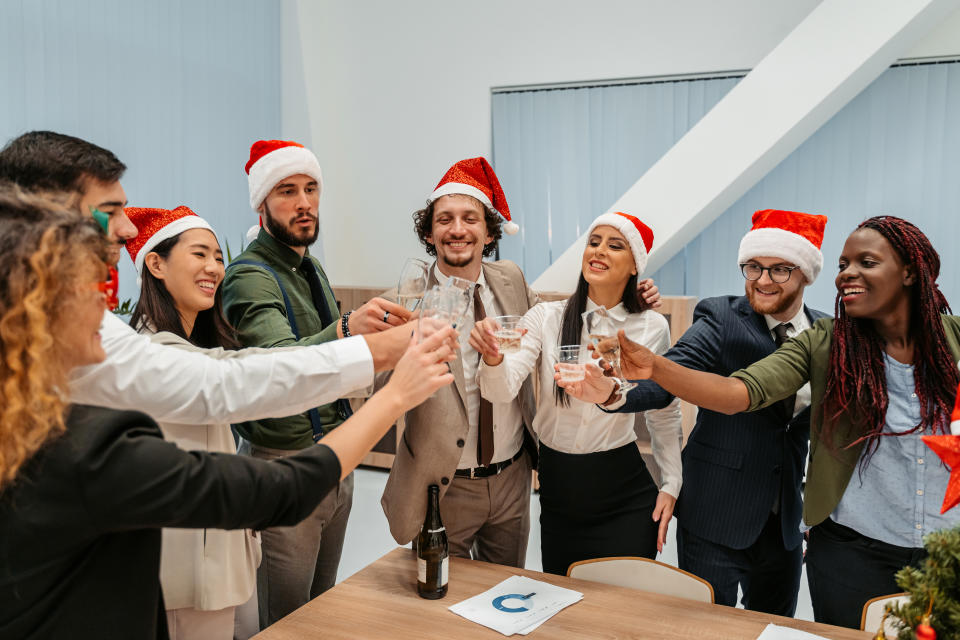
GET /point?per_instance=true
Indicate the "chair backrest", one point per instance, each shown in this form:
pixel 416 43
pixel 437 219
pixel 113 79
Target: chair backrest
pixel 873 614
pixel 643 574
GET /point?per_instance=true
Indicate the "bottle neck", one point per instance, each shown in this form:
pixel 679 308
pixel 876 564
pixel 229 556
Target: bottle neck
pixel 433 520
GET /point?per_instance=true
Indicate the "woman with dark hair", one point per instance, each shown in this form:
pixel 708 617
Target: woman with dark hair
pixel 882 373
pixel 597 497
pixel 84 490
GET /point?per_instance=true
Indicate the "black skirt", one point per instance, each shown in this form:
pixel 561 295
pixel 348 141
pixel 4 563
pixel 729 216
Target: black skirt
pixel 595 505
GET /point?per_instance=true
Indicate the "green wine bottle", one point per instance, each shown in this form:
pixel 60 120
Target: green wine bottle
pixel 432 551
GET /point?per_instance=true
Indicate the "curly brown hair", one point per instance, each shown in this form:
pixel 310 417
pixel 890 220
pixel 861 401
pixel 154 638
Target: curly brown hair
pixel 46 251
pixel 423 225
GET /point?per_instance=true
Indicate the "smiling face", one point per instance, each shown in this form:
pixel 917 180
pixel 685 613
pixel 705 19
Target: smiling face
pixel 459 230
pixel 192 271
pixel 607 259
pixel 775 298
pixel 77 326
pixel 873 282
pixel 110 198
pixel 290 211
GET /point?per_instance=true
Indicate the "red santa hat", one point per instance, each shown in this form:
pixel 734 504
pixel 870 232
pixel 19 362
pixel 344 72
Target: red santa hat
pixel 955 418
pixel 638 235
pixel 270 162
pixel 789 235
pixel 475 177
pixel 156 225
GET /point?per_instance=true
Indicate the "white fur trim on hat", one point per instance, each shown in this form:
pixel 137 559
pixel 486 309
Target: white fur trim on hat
pixel 630 232
pixel 771 242
pixel 253 232
pixel 277 165
pixel 175 228
pixel 451 188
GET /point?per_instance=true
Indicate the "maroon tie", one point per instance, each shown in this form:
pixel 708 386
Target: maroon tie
pixel 485 422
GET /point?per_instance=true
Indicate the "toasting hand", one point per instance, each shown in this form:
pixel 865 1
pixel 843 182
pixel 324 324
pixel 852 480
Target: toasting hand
pixel 595 387
pixel 636 361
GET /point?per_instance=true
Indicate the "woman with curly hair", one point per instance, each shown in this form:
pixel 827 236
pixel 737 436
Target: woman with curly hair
pixel 882 373
pixel 84 491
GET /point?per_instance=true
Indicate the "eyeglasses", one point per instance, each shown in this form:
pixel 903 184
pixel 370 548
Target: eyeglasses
pixel 777 273
pixel 108 287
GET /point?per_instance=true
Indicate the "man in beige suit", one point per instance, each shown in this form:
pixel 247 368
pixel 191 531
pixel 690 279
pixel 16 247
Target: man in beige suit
pixel 484 489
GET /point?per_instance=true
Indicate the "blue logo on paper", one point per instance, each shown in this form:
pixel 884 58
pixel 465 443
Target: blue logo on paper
pixel 498 603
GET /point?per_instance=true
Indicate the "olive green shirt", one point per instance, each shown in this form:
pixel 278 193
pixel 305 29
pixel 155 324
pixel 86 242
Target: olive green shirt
pixel 253 304
pixel 806 358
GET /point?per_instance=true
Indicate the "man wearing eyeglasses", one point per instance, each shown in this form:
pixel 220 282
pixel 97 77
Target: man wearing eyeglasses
pixel 740 505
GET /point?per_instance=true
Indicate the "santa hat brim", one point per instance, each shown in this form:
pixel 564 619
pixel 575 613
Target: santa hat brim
pixel 771 242
pixel 175 228
pixel 459 188
pixel 277 165
pixel 630 232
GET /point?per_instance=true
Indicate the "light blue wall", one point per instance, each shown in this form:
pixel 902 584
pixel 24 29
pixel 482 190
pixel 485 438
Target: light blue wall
pixel 894 149
pixel 177 89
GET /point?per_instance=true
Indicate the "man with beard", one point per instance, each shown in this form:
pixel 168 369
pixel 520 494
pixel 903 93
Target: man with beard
pixel 277 295
pixel 739 508
pixel 479 454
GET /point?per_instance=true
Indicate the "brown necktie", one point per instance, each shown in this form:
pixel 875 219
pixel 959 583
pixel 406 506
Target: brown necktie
pixel 485 421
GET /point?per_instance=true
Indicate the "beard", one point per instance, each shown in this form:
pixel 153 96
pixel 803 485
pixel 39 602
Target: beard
pixel 290 236
pixel 781 304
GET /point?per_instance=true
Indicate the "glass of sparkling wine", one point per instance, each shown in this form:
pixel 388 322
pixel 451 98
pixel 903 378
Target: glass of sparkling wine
pixel 603 334
pixel 436 312
pixel 412 284
pixel 568 363
pixel 462 291
pixel 509 333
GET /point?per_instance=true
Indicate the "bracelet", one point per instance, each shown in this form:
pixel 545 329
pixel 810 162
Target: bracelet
pixel 344 324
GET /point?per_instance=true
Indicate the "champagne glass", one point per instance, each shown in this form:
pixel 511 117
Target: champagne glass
pixel 603 334
pixel 461 301
pixel 412 284
pixel 435 312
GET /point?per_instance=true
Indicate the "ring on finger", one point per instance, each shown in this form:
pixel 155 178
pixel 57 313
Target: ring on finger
pixel 385 314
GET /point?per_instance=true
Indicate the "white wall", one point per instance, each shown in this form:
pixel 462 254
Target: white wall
pixel 396 92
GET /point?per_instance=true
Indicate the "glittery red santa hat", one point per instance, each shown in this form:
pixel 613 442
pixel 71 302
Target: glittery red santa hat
pixel 789 235
pixel 638 235
pixel 156 225
pixel 475 177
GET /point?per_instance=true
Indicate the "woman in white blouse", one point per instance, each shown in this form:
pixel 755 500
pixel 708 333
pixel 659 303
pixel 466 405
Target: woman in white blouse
pixel 597 497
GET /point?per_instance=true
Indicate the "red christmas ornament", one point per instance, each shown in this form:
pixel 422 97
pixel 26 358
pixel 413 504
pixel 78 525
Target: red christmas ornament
pixel 925 631
pixel 948 448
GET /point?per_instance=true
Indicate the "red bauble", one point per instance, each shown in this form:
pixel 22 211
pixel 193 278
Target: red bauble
pixel 926 632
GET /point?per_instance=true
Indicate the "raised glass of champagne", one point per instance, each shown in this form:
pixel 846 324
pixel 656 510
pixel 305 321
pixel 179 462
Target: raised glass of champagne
pixel 509 334
pixel 412 283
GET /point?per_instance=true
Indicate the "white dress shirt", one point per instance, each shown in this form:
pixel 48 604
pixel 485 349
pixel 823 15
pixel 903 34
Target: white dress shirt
pixel 173 385
pixel 507 417
pixel 582 427
pixel 798 323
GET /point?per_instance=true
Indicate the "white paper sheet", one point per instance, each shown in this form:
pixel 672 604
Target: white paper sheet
pixel 776 632
pixel 516 605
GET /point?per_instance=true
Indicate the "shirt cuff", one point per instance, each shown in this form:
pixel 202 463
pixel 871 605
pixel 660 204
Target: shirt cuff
pixel 354 361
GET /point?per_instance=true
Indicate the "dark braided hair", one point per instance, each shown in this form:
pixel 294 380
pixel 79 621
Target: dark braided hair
pixel 856 381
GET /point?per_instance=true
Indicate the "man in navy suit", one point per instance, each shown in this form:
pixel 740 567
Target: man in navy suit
pixel 740 505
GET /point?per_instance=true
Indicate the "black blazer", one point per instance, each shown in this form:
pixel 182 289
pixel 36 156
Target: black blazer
pixel 80 526
pixel 733 466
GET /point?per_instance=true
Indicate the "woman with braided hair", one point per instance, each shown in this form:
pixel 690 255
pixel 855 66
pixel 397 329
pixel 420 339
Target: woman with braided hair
pixel 882 373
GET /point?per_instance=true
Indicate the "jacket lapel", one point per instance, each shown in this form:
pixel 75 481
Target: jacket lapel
pixel 755 323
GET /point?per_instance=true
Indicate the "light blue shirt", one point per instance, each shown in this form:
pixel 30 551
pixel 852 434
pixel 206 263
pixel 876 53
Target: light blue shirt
pixel 897 497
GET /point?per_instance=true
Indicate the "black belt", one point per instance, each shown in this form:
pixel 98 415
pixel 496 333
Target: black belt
pixel 492 470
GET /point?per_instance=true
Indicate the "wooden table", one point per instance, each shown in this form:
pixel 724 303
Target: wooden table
pixel 381 601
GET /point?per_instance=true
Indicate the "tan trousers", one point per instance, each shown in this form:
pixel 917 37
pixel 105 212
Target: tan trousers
pixel 194 624
pixel 488 519
pixel 300 562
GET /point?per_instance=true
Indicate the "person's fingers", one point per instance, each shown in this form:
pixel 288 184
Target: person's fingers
pixel 395 309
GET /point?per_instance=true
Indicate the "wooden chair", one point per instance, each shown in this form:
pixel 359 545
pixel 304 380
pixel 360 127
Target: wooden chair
pixel 873 614
pixel 645 575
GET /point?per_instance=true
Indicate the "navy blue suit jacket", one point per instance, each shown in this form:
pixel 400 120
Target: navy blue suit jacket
pixel 733 466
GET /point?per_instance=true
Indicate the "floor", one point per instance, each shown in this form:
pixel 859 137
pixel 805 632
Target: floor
pixel 368 537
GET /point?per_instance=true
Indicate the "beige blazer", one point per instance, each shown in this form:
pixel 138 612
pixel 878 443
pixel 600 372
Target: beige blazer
pixel 428 452
pixel 206 569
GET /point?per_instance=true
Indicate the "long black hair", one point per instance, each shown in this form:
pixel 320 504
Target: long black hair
pixel 157 309
pixel 572 325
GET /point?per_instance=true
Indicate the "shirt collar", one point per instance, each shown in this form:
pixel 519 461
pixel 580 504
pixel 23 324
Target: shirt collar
pixel 283 254
pixel 798 321
pixel 618 313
